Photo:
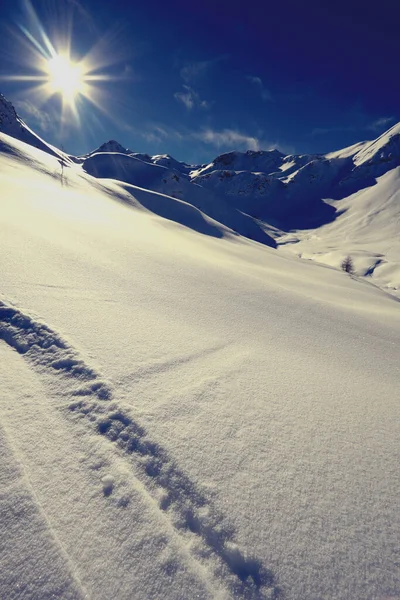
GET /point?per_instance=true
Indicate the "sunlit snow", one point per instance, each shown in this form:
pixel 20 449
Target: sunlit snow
pixel 186 410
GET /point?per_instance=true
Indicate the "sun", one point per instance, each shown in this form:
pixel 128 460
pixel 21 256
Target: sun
pixel 65 77
pixel 55 68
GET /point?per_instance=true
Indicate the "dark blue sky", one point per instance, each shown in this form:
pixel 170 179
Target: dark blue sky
pixel 197 79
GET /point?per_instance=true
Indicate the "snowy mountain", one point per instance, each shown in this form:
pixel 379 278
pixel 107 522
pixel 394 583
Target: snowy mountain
pixel 266 196
pixel 314 206
pixel 112 146
pixel 153 176
pixel 13 125
pixel 290 192
pixel 186 412
pixel 293 193
pixel 367 228
pixel 253 161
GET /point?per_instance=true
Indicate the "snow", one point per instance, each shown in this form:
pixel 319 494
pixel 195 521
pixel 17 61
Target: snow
pixel 276 199
pixel 384 149
pixel 148 176
pixel 252 160
pixel 185 412
pixel 112 146
pixel 12 124
pixel 367 229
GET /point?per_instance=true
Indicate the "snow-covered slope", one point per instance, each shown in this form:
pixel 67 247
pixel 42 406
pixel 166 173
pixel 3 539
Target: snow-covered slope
pixel 289 192
pixel 264 195
pixel 12 124
pixel 253 161
pixel 366 201
pixel 183 415
pixel 153 176
pixel 168 161
pixel 293 194
pixel 385 149
pixel 367 229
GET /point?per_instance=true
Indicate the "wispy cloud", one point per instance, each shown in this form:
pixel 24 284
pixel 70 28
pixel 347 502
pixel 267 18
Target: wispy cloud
pixel 36 117
pixel 258 83
pixel 193 71
pixel 381 123
pixel 191 99
pixel 223 139
pixel 228 138
pixel 160 133
pixel 233 139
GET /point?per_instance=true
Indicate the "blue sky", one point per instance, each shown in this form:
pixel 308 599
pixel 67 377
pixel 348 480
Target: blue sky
pixel 198 79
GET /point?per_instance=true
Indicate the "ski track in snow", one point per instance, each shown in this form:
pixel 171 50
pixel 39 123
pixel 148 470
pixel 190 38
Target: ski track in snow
pixel 90 398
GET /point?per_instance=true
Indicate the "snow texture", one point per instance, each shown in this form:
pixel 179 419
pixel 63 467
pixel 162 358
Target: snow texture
pixel 187 507
pixel 187 412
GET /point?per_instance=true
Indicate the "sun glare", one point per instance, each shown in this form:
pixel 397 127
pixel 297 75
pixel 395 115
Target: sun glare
pixel 65 77
pixel 52 72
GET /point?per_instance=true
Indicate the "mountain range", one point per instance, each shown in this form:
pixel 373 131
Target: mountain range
pixel 320 207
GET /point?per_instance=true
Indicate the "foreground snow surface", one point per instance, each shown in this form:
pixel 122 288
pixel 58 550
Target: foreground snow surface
pixel 185 415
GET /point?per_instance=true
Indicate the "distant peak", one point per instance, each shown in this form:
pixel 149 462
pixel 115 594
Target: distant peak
pixel 229 157
pixel 393 131
pixel 226 158
pixel 112 146
pixel 274 151
pixel 385 149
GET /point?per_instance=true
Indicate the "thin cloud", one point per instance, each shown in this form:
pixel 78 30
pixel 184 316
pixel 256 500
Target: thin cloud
pixel 191 99
pixel 223 139
pixel 227 138
pixel 37 118
pixel 192 71
pixel 258 83
pixel 190 74
pixel 154 136
pixel 255 80
pixel 232 139
pixel 160 133
pixel 197 69
pixel 381 123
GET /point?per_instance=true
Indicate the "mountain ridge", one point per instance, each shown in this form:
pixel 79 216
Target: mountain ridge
pixel 266 196
pixel 12 125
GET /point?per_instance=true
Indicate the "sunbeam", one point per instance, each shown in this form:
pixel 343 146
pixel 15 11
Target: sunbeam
pixel 53 68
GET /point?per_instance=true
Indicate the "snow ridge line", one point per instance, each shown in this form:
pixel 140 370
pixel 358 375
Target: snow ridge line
pixel 178 497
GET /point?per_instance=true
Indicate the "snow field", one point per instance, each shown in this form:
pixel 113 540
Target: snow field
pixel 187 415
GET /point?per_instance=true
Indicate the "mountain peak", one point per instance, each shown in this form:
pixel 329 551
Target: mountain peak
pixel 112 146
pixel 8 114
pixel 383 151
pixel 11 124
